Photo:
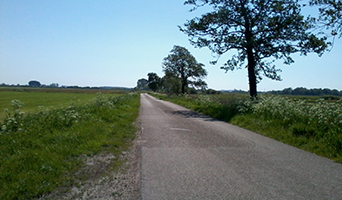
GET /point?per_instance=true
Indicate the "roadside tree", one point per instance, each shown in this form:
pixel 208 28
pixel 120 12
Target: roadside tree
pixel 171 84
pixel 259 31
pixel 181 64
pixel 154 81
pixel 142 84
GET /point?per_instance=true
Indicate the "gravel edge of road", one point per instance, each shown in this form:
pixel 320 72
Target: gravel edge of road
pixel 122 184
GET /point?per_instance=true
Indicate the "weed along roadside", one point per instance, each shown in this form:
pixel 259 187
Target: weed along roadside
pixel 40 151
pixel 311 125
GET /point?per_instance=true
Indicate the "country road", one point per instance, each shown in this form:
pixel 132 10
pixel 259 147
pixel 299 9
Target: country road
pixel 189 156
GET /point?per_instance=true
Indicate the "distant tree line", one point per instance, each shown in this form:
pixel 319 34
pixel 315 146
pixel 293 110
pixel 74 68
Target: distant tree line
pixel 305 91
pixel 32 83
pixel 37 84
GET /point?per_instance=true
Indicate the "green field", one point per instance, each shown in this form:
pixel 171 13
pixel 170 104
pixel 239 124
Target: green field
pixel 310 123
pixel 38 99
pixel 41 148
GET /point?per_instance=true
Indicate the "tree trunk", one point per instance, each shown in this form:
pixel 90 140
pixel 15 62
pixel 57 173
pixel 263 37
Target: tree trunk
pixel 250 54
pixel 251 73
pixel 184 84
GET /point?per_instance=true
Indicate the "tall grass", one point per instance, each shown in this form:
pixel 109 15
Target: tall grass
pixel 312 125
pixel 39 151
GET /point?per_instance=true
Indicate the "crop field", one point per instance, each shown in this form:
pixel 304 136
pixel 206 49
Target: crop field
pixel 40 148
pixel 311 123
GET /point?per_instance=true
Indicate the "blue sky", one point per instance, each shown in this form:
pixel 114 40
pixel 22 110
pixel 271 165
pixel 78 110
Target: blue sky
pixel 116 42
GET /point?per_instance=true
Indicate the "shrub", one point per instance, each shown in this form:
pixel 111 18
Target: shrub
pixel 14 118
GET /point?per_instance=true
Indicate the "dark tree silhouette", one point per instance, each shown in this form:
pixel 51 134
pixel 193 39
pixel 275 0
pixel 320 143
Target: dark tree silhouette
pixel 260 31
pixel 154 81
pixel 34 84
pixel 330 15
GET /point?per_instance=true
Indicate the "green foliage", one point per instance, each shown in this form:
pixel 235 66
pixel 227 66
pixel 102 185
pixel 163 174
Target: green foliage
pixel 330 15
pixel 13 120
pixel 171 84
pixel 154 81
pixel 301 129
pixel 142 84
pixel 259 31
pixel 39 151
pixel 313 126
pixel 180 64
pixel 321 115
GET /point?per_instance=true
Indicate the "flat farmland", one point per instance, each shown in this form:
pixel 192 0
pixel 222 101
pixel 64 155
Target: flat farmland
pixel 37 99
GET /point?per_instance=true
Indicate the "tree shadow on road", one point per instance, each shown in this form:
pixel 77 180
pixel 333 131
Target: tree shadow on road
pixel 193 114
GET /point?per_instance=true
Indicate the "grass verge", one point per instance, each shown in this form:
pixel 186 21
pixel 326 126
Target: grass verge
pixel 39 151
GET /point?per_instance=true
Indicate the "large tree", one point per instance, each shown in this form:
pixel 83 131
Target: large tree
pixel 260 31
pixel 180 63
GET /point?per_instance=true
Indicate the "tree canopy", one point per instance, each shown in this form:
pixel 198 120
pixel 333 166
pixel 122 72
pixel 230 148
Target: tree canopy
pixel 142 84
pixel 34 83
pixel 260 31
pixel 154 81
pixel 330 15
pixel 182 65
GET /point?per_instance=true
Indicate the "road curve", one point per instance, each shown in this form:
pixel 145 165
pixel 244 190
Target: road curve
pixel 190 156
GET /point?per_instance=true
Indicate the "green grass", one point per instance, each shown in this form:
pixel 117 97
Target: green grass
pixel 35 101
pixel 38 99
pixel 40 151
pixel 320 145
pixel 311 124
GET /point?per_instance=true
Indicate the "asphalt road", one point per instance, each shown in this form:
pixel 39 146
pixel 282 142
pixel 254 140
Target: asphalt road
pixel 189 156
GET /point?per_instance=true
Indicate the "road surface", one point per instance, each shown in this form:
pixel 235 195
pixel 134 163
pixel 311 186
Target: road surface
pixel 190 156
